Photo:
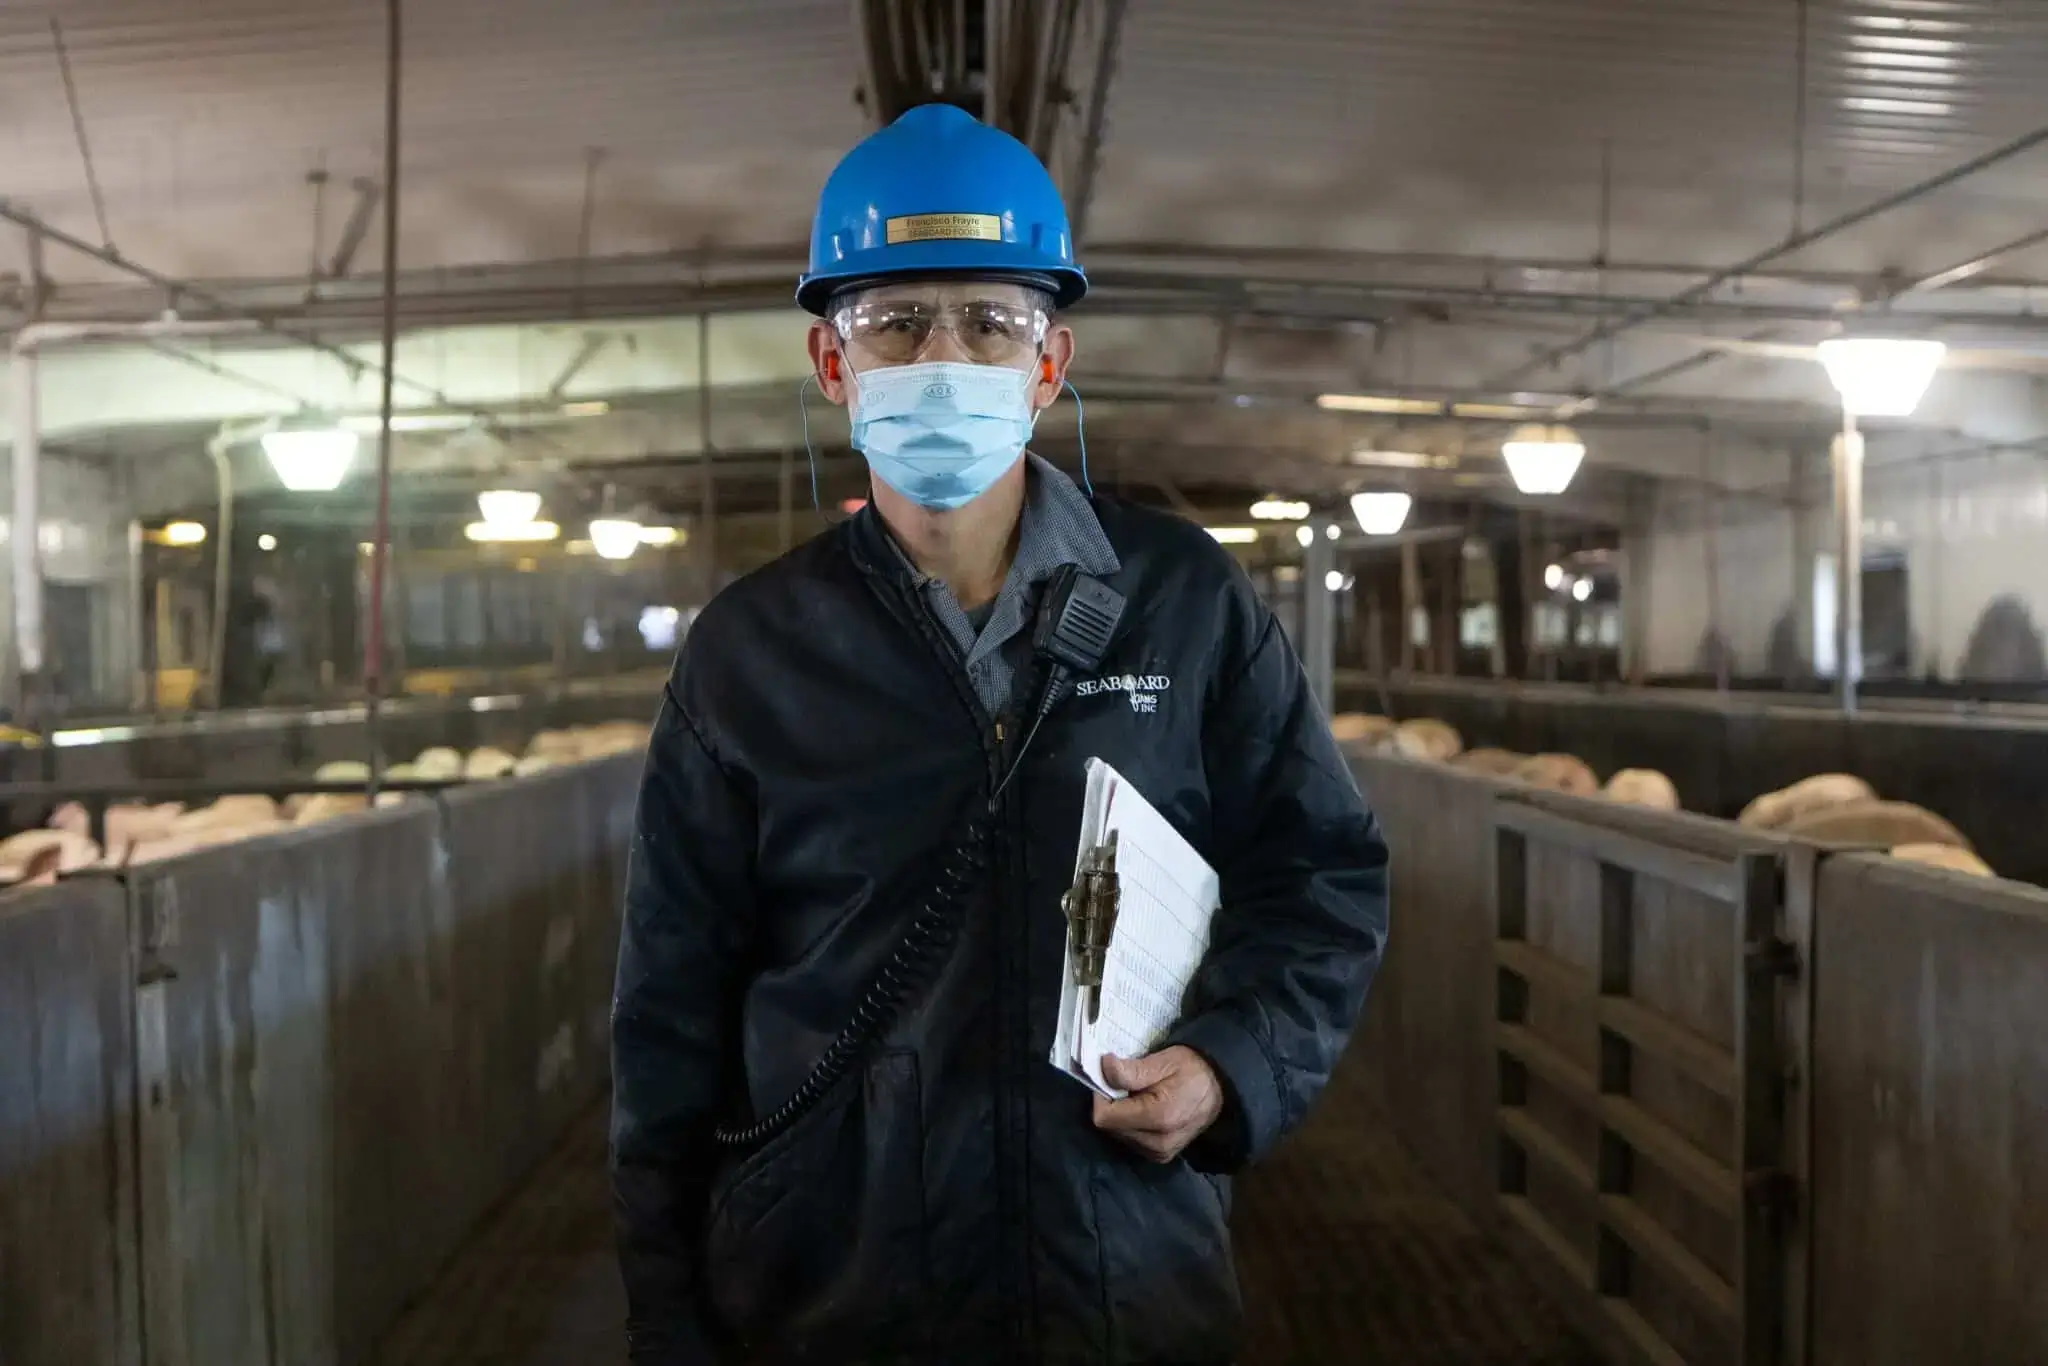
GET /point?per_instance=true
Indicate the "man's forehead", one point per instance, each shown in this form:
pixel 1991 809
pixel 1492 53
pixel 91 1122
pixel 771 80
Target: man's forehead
pixel 952 291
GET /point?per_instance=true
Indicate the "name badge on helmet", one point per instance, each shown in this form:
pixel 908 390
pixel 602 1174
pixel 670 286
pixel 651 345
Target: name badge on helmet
pixel 936 227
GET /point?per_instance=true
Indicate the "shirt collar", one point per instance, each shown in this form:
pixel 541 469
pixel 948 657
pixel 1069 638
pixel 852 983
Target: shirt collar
pixel 1059 526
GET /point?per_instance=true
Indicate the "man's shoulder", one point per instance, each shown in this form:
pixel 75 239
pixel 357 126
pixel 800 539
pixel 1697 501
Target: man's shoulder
pixel 1166 555
pixel 748 623
pixel 1196 591
pixel 789 581
pixel 1154 534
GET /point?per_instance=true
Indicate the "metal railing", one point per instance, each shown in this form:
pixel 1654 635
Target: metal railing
pixel 1750 1178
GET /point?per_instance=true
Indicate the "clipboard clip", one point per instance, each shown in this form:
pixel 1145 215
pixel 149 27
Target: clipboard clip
pixel 1091 906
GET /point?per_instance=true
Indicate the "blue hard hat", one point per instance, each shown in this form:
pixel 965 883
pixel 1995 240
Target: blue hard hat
pixel 939 191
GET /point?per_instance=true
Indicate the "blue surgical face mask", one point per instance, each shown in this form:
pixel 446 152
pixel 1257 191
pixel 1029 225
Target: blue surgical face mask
pixel 941 434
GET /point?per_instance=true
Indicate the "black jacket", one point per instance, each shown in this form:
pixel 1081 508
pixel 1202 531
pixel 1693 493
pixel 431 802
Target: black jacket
pixel 951 1201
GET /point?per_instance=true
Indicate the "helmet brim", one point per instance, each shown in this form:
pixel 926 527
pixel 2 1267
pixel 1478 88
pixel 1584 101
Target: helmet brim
pixel 944 260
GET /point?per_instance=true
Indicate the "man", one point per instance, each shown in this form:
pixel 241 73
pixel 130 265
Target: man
pixel 835 723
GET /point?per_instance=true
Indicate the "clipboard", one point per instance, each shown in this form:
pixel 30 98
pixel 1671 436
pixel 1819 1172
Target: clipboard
pixel 1138 914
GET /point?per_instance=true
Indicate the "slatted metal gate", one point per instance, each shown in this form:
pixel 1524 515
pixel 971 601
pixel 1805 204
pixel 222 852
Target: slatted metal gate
pixel 1649 1018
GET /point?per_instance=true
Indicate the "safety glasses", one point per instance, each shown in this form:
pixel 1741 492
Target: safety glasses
pixel 900 331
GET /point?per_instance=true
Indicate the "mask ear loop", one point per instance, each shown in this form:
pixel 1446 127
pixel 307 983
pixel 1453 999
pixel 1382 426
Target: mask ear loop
pixel 1080 420
pixel 1080 433
pixel 810 456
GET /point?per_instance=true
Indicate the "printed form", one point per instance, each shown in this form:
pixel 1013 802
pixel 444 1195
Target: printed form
pixel 1167 896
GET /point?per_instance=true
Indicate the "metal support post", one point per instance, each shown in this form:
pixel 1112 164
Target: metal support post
pixel 707 526
pixel 1319 619
pixel 1848 563
pixel 373 650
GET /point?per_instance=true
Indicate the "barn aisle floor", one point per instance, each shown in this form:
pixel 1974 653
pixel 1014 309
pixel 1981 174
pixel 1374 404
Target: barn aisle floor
pixel 1347 1255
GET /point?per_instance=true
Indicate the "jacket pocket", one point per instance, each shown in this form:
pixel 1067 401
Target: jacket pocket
pixel 1170 1284
pixel 821 1233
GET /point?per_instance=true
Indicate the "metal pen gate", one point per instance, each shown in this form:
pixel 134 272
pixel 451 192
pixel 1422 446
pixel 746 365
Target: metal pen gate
pixel 1650 1021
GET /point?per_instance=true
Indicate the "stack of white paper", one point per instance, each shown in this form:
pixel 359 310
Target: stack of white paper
pixel 1167 895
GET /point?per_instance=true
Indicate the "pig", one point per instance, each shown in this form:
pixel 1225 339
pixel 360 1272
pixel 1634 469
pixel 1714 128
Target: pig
pixel 234 811
pixel 126 823
pixel 1428 739
pixel 1886 824
pixel 1358 728
pixel 486 763
pixel 438 763
pixel 1497 763
pixel 613 737
pixel 38 856
pixel 558 745
pixel 1642 787
pixel 1559 773
pixel 1943 856
pixel 324 806
pixel 1776 810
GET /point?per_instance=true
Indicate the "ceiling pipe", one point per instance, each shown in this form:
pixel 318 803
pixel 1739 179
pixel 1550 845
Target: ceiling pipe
pixel 1098 103
pixel 1795 243
pixel 1051 31
pixel 1969 269
pixel 1939 280
pixel 586 351
pixel 177 290
pixel 347 311
pixel 653 283
pixel 373 650
pixel 1358 542
pixel 1126 293
pixel 775 262
pixel 36 336
pixel 994 53
pixel 360 216
pixel 1321 263
pixel 871 27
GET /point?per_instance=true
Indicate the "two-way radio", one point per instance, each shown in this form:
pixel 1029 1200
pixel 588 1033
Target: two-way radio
pixel 1077 620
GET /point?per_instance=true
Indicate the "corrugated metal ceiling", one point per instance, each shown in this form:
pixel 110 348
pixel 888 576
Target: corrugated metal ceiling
pixel 1485 124
pixel 1475 126
pixel 716 118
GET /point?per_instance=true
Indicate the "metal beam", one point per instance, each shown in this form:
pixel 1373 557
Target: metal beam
pixel 1696 361
pixel 1942 279
pixel 870 26
pixel 1083 197
pixel 176 291
pixel 1118 290
pixel 1329 263
pixel 355 229
pixel 682 281
pixel 586 351
pixel 1797 242
pixel 92 177
pixel 1971 268
pixel 680 286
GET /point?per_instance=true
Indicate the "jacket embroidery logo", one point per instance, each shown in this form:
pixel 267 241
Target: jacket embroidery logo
pixel 1142 689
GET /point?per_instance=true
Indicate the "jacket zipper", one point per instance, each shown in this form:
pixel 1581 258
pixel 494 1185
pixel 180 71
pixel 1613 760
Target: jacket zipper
pixel 1009 1215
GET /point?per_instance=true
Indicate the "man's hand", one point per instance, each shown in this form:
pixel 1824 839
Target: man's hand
pixel 1174 1095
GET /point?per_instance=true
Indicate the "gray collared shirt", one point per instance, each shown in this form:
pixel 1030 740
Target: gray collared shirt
pixel 1059 527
